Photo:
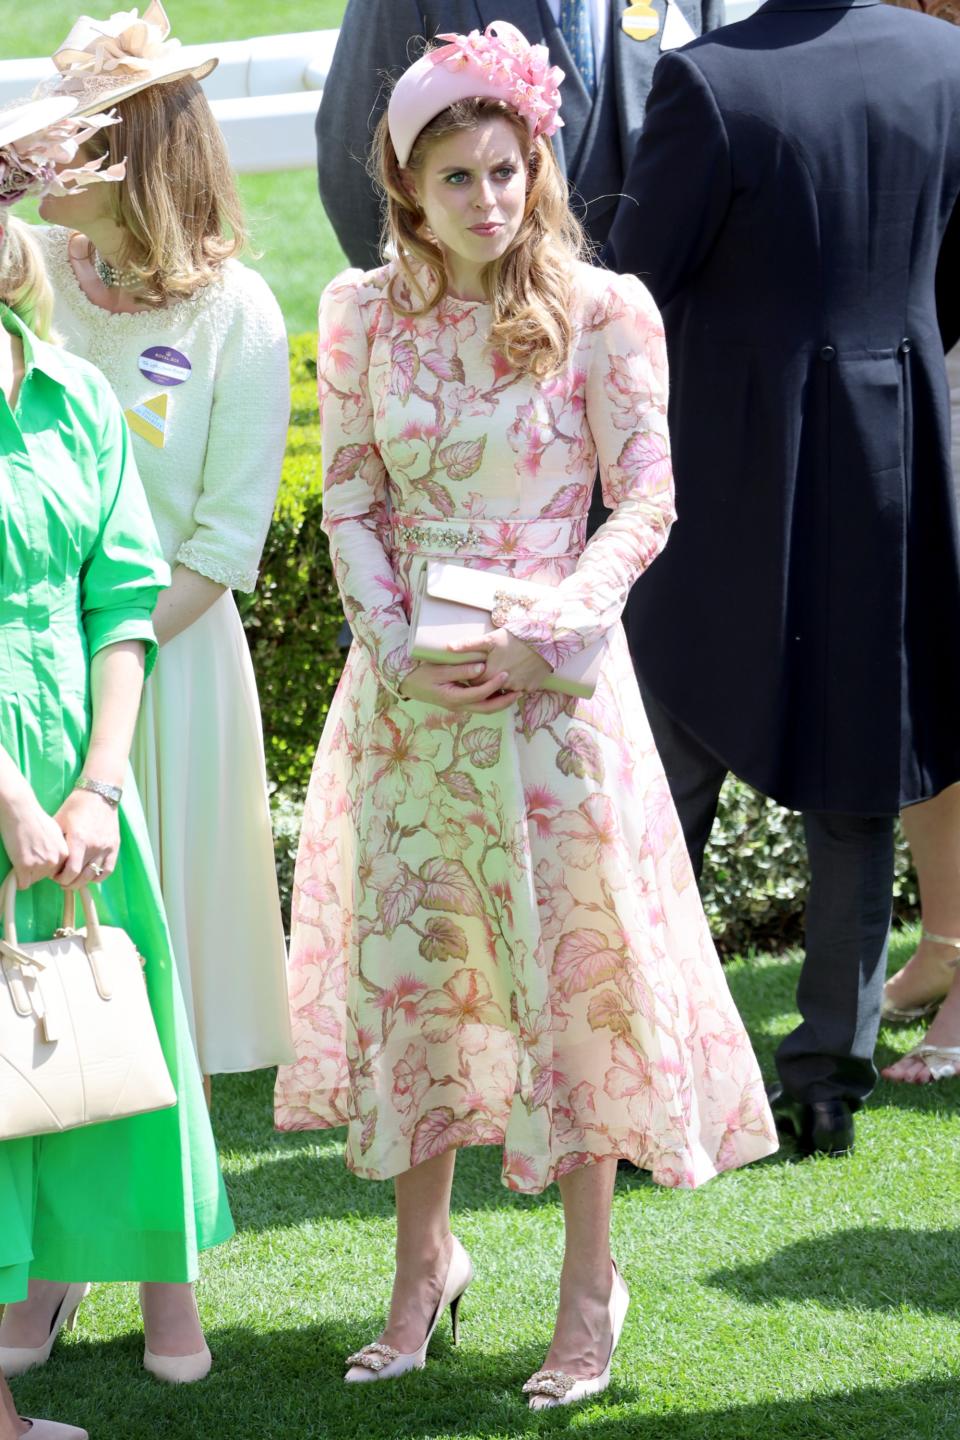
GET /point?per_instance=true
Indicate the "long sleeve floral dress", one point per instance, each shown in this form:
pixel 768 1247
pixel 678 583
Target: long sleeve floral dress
pixel 497 936
pixel 81 569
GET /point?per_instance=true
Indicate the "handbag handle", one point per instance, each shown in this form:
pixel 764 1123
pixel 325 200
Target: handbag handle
pixel 93 941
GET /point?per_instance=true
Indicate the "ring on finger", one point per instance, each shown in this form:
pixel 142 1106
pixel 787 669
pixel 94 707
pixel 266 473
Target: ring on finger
pixel 97 870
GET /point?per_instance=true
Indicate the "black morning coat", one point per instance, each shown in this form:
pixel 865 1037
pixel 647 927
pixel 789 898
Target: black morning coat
pixel 795 178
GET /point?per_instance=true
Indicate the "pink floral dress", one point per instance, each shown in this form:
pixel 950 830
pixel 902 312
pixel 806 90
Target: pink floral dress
pixel 497 936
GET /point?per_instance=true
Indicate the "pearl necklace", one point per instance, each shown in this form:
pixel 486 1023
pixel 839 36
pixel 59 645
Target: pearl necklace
pixel 112 277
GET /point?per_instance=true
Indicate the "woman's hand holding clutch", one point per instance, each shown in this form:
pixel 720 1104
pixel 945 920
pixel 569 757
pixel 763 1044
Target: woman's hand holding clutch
pixel 519 665
pixel 459 687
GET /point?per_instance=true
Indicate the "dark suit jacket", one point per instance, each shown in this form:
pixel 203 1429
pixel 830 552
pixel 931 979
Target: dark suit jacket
pixel 797 176
pixel 379 39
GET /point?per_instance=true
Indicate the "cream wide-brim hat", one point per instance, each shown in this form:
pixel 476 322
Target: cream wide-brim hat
pixel 21 118
pixel 102 62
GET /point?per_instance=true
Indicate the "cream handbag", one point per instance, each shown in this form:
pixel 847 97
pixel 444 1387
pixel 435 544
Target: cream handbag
pixel 452 606
pixel 78 1043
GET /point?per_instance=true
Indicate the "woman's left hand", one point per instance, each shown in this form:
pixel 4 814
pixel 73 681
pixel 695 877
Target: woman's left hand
pixel 91 828
pixel 525 668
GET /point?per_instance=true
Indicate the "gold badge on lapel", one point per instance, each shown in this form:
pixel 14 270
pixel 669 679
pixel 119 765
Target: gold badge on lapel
pixel 640 21
pixel 149 420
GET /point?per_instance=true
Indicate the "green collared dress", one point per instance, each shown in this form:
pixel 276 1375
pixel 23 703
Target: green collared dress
pixel 80 569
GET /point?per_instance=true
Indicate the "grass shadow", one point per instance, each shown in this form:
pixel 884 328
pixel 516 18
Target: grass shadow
pixel 863 1268
pixel 299 1392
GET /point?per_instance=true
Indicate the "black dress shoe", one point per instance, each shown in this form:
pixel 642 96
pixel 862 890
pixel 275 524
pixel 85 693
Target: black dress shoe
pixel 820 1127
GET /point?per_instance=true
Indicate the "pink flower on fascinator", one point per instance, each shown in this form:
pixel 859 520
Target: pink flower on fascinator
pixel 467 50
pixel 503 56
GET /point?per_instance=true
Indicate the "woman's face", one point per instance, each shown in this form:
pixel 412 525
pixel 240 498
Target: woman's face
pixel 472 188
pixel 90 205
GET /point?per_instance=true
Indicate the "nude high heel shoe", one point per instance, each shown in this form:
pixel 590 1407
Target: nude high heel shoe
pixel 554 1387
pixel 52 1430
pixel 15 1359
pixel 178 1369
pixel 383 1362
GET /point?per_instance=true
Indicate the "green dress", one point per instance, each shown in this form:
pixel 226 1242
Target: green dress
pixel 80 569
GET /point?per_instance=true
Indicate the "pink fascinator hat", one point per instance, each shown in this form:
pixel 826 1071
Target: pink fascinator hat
pixel 500 64
pixel 39 140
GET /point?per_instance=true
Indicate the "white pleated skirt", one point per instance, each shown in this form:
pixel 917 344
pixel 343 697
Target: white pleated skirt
pixel 199 764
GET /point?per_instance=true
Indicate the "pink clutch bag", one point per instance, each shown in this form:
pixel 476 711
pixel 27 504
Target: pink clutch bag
pixel 453 605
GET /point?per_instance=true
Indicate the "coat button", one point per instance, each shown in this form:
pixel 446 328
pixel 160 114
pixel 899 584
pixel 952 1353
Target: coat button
pixel 906 345
pixel 828 353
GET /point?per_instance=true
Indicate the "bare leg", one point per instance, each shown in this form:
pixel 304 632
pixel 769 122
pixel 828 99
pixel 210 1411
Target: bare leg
pixel 27 1324
pixel 170 1320
pixel 423 1250
pixel 11 1426
pixel 581 1336
pixel 208 1090
pixel 933 830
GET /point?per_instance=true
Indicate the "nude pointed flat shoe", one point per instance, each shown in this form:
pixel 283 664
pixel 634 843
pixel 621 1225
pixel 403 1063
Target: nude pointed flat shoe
pixel 15 1359
pixel 52 1430
pixel 383 1362
pixel 554 1387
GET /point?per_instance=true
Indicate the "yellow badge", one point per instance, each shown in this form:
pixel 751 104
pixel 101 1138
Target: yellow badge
pixel 640 21
pixel 149 420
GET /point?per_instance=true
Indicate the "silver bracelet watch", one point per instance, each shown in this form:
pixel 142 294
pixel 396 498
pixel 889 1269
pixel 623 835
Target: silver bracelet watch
pixel 111 793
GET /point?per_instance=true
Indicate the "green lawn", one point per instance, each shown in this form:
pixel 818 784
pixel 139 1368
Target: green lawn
pixel 811 1301
pixel 298 251
pixel 38 28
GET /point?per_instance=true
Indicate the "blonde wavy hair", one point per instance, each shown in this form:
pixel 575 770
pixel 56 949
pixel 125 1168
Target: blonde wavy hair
pixel 530 286
pixel 178 204
pixel 24 286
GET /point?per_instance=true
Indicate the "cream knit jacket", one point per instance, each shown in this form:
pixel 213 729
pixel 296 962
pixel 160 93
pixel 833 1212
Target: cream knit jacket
pixel 213 483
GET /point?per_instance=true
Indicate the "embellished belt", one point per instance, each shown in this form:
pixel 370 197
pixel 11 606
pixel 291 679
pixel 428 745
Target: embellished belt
pixel 508 539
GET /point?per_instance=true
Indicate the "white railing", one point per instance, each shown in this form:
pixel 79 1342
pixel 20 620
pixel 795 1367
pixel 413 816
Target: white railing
pixel 264 92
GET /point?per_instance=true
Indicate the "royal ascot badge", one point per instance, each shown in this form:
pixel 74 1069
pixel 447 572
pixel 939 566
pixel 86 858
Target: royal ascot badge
pixel 163 366
pixel 677 29
pixel 149 420
pixel 640 21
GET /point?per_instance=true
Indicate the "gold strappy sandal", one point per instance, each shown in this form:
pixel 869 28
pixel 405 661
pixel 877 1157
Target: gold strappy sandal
pixel 893 1014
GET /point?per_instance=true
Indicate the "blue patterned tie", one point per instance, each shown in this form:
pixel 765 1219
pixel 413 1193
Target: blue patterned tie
pixel 577 30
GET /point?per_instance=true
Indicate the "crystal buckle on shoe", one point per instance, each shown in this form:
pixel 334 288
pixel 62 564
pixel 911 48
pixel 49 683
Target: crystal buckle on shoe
pixel 374 1357
pixel 549 1382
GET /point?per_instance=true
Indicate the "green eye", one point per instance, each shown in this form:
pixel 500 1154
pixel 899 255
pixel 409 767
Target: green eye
pixel 456 177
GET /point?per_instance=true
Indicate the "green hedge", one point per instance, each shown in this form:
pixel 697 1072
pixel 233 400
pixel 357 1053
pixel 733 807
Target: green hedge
pixel 755 875
pixel 293 619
